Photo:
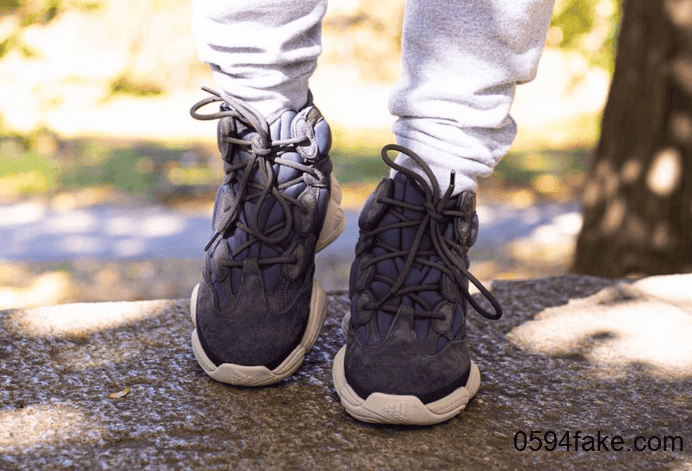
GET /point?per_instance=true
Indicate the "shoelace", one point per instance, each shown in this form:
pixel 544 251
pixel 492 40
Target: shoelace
pixel 452 265
pixel 263 153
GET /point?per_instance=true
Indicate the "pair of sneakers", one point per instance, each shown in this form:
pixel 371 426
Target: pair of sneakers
pixel 258 307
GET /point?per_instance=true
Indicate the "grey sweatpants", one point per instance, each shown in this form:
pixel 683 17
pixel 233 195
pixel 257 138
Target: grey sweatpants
pixel 462 60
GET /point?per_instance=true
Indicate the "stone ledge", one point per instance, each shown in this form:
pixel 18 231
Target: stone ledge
pixel 115 385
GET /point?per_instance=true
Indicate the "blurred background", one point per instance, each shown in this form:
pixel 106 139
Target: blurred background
pixel 107 184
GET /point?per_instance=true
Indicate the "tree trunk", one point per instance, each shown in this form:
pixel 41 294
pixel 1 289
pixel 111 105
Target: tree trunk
pixel 638 196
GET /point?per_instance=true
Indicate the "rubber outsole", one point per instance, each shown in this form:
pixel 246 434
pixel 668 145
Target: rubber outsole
pixel 403 410
pixel 242 375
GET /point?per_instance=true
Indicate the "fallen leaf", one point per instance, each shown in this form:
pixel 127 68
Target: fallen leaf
pixel 119 394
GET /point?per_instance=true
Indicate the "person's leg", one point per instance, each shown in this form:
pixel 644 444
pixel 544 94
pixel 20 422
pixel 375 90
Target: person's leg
pixel 258 308
pixel 261 51
pixel 462 60
pixel 406 358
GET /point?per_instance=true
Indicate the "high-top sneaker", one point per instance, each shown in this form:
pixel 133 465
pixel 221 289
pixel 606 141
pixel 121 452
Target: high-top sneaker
pixel 258 308
pixel 406 359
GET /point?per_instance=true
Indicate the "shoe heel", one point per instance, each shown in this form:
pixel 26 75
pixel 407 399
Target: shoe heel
pixel 334 221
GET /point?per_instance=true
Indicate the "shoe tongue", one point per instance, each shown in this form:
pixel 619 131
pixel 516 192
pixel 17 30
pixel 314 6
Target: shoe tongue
pixel 271 213
pixel 408 190
pixel 280 129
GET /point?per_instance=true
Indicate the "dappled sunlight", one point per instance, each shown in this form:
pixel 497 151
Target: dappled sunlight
pixel 675 289
pixel 70 222
pixel 614 216
pixel 548 184
pixel 681 127
pixel 80 319
pixel 82 244
pixel 86 197
pixel 40 232
pixel 665 173
pixel 680 11
pixel 353 196
pixel 591 194
pixel 604 185
pixel 129 247
pixel 631 170
pixel 648 323
pixel 581 89
pixel 22 213
pixel 47 289
pixel 553 243
pixel 31 284
pixel 521 198
pixel 488 271
pixel 662 236
pixel 485 214
pixel 32 181
pixel 531 216
pixel 161 226
pixel 121 226
pixel 46 424
pixel 682 72
pixel 569 223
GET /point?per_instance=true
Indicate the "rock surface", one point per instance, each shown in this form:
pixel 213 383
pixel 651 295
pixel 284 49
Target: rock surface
pixel 115 385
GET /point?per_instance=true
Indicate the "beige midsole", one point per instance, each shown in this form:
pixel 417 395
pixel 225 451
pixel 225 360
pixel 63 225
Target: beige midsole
pixel 398 409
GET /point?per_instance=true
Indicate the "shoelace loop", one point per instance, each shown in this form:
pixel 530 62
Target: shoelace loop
pixel 452 265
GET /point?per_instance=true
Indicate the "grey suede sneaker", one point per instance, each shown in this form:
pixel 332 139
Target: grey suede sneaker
pixel 258 308
pixel 406 360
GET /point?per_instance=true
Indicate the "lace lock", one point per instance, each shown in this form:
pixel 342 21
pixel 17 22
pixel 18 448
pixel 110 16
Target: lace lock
pixel 303 127
pixel 259 145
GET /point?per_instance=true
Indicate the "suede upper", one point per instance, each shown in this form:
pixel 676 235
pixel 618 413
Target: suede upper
pixel 254 298
pixel 408 289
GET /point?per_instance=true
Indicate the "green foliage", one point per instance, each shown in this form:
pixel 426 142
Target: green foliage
pixel 589 27
pixel 46 165
pixel 9 6
pixel 153 172
pixel 124 85
pixel 525 166
pixel 359 165
pixel 23 170
pixel 112 167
